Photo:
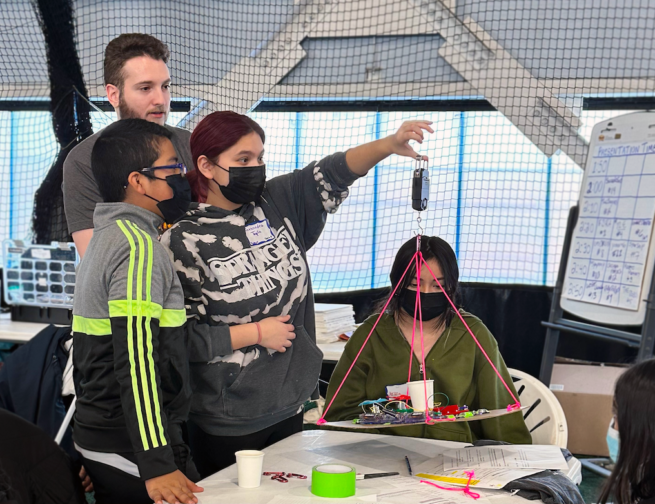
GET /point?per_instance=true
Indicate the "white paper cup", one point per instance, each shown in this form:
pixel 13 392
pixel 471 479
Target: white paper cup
pixel 417 393
pixel 249 468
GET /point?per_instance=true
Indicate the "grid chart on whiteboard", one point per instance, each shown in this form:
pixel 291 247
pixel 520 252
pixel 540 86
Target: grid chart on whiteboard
pixel 609 249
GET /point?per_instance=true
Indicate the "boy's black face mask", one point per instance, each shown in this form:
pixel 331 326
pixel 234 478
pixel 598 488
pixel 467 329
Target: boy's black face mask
pixel 433 304
pixel 174 208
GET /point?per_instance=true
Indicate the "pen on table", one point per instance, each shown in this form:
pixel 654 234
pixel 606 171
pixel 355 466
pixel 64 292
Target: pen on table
pixel 409 467
pixel 375 475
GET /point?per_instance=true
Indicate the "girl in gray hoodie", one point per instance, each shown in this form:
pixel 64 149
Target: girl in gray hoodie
pixel 240 254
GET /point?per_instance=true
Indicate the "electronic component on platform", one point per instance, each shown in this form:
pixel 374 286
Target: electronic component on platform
pixel 387 415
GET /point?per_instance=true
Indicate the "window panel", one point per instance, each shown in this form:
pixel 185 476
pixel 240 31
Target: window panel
pixel 499 202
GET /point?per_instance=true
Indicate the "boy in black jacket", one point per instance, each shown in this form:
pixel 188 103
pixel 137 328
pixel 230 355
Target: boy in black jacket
pixel 131 368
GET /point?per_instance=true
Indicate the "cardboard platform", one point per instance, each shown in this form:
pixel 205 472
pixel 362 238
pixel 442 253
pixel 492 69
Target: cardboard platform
pixel 348 424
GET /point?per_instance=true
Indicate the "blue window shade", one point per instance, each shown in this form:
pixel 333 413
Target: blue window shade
pixel 494 196
pixel 27 149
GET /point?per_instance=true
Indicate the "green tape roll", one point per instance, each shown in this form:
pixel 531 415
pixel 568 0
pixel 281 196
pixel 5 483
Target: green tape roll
pixel 333 480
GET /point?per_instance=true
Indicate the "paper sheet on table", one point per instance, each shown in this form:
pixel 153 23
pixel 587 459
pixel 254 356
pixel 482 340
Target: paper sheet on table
pixel 412 490
pixel 397 497
pixel 392 490
pixel 403 489
pixel 297 499
pixel 494 479
pixel 429 495
pixel 506 457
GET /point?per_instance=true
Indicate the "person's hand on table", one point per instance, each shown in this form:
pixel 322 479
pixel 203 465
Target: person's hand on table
pixel 174 488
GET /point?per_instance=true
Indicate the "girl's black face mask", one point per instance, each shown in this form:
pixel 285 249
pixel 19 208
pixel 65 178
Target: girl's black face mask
pixel 246 183
pixel 433 304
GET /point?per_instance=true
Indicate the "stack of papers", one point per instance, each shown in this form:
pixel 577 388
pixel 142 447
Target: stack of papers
pixel 333 320
pixel 494 466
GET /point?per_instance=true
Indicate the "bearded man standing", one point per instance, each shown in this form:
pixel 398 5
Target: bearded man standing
pixel 137 82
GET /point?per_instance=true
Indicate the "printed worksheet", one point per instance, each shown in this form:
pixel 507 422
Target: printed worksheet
pixel 506 457
pixel 493 479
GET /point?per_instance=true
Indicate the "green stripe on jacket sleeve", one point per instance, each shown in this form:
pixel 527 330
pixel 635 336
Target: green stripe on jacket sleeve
pixel 143 341
pixel 91 326
pixel 150 362
pixel 172 318
pixel 121 308
pixel 131 307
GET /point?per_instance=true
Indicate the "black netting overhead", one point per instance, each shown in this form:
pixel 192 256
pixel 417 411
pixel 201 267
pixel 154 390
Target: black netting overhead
pixel 70 109
pixel 27 143
pixel 45 113
pixel 513 89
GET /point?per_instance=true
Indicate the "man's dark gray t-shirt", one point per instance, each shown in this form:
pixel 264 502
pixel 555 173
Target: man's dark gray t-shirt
pixel 81 192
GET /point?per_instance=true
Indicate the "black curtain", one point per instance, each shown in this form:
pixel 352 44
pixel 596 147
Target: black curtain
pixel 70 113
pixel 513 314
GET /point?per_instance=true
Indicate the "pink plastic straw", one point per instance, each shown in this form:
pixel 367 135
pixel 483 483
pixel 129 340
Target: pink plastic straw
pixel 419 259
pixel 420 322
pixel 466 489
pixel 322 419
pixel 471 333
pixel 416 311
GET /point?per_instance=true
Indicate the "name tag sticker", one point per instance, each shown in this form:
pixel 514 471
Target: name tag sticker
pixel 259 232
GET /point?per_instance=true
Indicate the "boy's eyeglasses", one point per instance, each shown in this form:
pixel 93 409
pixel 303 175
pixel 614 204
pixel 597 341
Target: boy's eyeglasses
pixel 179 166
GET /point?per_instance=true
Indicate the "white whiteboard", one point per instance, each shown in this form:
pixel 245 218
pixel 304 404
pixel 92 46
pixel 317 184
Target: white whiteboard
pixel 610 263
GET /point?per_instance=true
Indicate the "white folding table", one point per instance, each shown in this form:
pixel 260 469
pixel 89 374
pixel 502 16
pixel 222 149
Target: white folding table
pixel 368 453
pixel 18 332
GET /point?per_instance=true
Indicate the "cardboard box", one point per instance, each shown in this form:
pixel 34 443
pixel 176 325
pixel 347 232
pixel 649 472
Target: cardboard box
pixel 586 392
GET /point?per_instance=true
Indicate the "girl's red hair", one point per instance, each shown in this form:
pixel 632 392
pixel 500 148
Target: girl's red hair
pixel 215 134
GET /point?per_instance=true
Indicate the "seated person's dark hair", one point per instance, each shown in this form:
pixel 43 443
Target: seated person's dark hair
pixel 124 147
pixel 633 477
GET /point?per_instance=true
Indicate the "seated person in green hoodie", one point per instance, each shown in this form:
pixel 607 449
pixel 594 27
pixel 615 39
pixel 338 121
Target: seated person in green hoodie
pixel 452 359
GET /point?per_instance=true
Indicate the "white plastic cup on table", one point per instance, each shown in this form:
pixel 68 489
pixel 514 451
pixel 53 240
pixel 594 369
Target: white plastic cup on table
pixel 249 468
pixel 417 394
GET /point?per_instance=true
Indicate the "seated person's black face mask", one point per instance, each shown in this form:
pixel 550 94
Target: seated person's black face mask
pixel 433 304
